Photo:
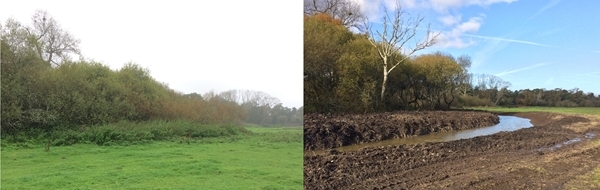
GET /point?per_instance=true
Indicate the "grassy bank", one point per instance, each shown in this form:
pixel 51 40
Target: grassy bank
pixel 121 133
pixel 566 110
pixel 264 158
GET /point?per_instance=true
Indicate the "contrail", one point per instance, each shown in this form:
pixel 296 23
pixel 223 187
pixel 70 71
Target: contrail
pixel 521 69
pixel 544 8
pixel 509 40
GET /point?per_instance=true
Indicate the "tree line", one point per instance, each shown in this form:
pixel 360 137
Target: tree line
pixel 260 108
pixel 43 88
pixel 376 70
pixel 557 97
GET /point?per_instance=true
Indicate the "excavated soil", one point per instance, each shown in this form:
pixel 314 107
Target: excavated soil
pixel 532 158
pixel 326 131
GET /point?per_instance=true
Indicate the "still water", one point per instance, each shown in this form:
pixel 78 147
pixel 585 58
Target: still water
pixel 507 123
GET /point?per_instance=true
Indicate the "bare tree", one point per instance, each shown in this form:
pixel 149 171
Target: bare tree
pixel 230 95
pixel 245 96
pixel 494 84
pixel 397 32
pixel 465 83
pixel 465 77
pixel 257 98
pixel 209 95
pixel 503 89
pixel 482 81
pixel 46 38
pixel 464 61
pixel 53 43
pixel 347 11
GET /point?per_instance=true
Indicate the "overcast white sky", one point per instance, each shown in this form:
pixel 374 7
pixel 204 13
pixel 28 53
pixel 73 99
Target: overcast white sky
pixel 194 46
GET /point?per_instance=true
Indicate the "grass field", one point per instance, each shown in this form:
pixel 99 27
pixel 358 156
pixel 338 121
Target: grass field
pixel 269 158
pixel 592 179
pixel 573 110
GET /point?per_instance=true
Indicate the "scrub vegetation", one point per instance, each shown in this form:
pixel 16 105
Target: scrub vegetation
pixel 79 124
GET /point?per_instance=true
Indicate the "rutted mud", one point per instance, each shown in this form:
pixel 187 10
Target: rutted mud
pixel 326 131
pixel 507 123
pixel 505 160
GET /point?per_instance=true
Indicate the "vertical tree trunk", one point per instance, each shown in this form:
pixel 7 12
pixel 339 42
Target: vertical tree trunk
pixel 383 86
pixel 385 74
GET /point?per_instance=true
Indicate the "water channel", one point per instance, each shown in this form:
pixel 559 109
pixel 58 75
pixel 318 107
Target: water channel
pixel 507 123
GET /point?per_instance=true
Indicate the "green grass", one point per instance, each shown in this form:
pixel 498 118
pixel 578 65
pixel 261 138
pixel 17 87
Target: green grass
pixel 268 158
pixel 121 133
pixel 570 110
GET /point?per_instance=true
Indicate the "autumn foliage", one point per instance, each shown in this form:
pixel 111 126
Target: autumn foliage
pixel 41 96
pixel 323 17
pixel 342 73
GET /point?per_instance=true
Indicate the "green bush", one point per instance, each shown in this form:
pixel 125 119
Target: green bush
pixel 123 133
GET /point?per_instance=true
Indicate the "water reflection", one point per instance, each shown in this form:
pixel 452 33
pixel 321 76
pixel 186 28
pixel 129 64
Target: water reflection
pixel 507 123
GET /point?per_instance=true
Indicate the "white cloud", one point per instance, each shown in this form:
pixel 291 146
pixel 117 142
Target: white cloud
pixel 450 20
pixel 446 41
pixel 472 25
pixel 373 8
pixel 454 38
pixel 408 3
pixel 445 5
pixel 456 33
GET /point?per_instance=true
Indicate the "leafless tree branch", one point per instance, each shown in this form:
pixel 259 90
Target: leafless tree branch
pixel 347 11
pixel 398 30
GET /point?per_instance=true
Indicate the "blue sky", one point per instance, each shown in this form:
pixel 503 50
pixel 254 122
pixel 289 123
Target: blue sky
pixel 194 46
pixel 531 44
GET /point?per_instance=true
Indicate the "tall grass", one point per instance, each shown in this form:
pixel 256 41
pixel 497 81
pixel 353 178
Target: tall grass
pixel 123 133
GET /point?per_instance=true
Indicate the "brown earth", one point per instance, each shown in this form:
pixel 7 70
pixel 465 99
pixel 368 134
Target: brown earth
pixel 326 131
pixel 530 158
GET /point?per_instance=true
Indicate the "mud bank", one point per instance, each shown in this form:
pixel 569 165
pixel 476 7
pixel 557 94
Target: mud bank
pixel 326 131
pixel 505 160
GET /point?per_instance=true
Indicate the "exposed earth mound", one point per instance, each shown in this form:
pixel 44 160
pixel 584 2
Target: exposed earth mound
pixel 557 153
pixel 325 131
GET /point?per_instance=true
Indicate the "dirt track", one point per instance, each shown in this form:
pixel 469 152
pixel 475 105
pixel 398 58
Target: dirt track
pixel 523 159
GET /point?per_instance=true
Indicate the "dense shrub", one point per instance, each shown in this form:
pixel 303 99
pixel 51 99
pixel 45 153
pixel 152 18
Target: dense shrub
pixel 125 132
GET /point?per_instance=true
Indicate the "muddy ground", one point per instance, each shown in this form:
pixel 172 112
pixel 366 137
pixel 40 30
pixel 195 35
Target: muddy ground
pixel 326 131
pixel 546 156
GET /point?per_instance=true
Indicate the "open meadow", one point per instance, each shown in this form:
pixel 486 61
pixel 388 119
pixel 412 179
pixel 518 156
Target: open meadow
pixel 265 158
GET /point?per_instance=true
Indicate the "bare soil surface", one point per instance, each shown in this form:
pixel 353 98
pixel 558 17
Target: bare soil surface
pixel 553 154
pixel 326 131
